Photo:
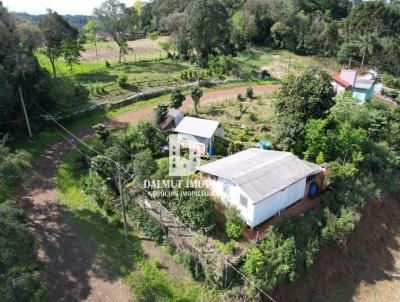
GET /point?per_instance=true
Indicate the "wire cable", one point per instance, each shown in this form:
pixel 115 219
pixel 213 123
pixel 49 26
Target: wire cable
pixel 143 188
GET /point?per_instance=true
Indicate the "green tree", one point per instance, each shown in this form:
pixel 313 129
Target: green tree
pixel 114 18
pixel 234 224
pixel 20 271
pixel 213 37
pixel 243 28
pixel 301 98
pixel 339 227
pixel 102 133
pixel 60 39
pixel 273 261
pixel 367 43
pixel 197 212
pixel 177 99
pixel 90 29
pixel 160 112
pixel 196 94
pixel 144 166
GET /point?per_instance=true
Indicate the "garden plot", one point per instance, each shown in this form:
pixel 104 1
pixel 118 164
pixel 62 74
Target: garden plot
pixel 245 122
pixel 138 50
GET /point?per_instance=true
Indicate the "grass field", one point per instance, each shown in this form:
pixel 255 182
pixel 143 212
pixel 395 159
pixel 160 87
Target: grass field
pixel 146 278
pixel 102 82
pixel 281 62
pixel 146 66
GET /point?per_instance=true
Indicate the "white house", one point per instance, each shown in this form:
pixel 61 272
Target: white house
pixel 260 183
pixel 196 133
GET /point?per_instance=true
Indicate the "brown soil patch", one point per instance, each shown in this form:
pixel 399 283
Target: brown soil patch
pixel 368 269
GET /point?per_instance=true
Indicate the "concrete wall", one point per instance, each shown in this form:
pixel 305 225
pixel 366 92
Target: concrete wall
pixel 277 202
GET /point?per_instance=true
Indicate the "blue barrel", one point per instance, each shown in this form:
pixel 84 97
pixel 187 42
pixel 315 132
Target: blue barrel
pixel 265 145
pixel 313 190
pixel 211 151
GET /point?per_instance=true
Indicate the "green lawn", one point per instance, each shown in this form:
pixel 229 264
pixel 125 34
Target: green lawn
pixel 278 62
pixel 146 278
pixel 102 82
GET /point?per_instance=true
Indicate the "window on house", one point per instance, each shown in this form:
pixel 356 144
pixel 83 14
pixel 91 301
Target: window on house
pixel 226 187
pixel 310 178
pixel 243 201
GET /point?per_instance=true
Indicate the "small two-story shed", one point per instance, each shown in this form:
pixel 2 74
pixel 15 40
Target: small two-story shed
pixel 196 133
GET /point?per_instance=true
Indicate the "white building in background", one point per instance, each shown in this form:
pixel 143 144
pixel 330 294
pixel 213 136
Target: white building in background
pixel 261 183
pixel 197 133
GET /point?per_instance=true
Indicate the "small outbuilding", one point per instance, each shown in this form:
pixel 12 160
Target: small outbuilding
pixel 261 183
pixel 172 120
pixel 362 86
pixel 197 133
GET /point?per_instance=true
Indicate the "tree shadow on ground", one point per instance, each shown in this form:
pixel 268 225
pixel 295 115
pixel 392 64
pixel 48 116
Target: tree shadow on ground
pixel 102 76
pixel 150 67
pixel 367 259
pixel 79 246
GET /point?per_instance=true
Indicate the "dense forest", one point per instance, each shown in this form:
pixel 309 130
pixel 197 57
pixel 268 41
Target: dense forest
pixel 77 21
pixel 343 29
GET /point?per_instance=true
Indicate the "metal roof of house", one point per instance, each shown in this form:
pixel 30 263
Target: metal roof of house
pixel 197 126
pixel 364 83
pixel 261 173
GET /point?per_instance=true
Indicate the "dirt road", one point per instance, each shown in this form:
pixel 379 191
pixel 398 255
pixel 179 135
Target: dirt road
pixel 72 272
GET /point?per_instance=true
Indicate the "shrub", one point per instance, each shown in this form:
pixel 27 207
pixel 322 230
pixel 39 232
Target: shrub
pixel 122 80
pixel 108 65
pixel 176 99
pixel 250 93
pixel 264 75
pixel 391 81
pixel 225 248
pixel 240 98
pixel 145 222
pixel 14 167
pixel 160 112
pixel 253 117
pixel 20 271
pixel 234 224
pixel 339 227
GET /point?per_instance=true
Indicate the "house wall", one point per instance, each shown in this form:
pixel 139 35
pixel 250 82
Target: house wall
pixel 277 202
pixel 254 214
pixel 233 197
pixel 362 95
pixel 191 141
pixel 337 88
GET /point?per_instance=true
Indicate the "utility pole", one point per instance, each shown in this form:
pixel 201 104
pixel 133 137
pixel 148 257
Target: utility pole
pixel 121 195
pixel 24 110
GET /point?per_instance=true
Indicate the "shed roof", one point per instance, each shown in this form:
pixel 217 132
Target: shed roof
pixel 364 84
pixel 261 173
pixel 197 126
pixel 340 81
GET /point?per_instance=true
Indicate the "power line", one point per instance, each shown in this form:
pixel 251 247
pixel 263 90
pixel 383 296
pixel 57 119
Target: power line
pixel 76 110
pixel 119 166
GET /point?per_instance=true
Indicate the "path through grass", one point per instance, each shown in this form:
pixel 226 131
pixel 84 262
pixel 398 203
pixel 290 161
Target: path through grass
pixel 146 278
